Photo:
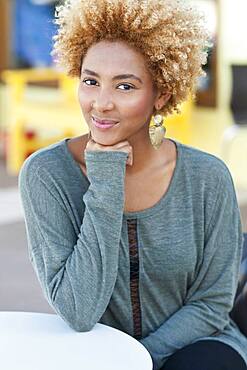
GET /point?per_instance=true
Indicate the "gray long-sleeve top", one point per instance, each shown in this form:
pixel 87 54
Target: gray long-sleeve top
pixel 166 275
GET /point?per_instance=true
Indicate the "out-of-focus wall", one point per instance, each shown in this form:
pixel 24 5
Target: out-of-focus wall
pixel 233 44
pixel 232 48
pixel 4 33
pixel 4 50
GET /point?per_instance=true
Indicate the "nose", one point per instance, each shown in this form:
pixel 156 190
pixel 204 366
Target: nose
pixel 103 102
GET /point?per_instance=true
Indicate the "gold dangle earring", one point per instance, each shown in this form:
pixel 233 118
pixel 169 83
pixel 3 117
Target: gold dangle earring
pixel 157 131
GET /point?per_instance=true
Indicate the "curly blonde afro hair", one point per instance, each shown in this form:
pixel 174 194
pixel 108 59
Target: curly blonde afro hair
pixel 170 34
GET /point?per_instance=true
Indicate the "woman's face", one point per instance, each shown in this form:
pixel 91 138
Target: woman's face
pixel 116 92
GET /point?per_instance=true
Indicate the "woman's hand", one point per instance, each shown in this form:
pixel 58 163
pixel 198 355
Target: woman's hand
pixel 122 146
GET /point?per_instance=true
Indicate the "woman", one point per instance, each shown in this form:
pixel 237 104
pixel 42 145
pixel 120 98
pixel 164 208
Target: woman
pixel 125 227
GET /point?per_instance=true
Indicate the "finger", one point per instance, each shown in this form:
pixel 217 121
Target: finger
pixel 131 157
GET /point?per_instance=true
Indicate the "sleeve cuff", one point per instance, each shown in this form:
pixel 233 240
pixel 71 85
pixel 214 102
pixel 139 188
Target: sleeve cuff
pixel 105 156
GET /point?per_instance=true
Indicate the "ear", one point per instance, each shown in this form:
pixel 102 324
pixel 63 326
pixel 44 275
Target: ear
pixel 161 100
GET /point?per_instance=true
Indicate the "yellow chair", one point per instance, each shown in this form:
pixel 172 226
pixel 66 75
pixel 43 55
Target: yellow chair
pixel 35 122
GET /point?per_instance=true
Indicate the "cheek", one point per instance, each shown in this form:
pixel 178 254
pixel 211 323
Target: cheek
pixel 138 105
pixel 84 99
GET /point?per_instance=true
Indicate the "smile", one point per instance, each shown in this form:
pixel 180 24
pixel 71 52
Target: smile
pixel 103 124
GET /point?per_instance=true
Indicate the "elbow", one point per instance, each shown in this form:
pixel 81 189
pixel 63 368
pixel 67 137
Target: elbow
pixel 81 327
pixel 79 317
pixel 76 321
pixel 78 324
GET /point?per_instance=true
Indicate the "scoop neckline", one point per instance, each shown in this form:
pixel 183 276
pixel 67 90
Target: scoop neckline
pixel 158 205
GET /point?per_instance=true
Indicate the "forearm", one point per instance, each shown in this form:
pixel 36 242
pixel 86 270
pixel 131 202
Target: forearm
pixel 78 272
pixel 81 289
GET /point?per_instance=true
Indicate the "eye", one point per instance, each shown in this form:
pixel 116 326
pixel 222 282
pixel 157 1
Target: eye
pixel 128 87
pixel 89 84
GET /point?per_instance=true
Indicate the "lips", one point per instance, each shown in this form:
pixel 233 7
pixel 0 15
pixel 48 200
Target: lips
pixel 103 123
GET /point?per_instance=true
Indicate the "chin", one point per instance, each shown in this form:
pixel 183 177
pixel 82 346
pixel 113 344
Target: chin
pixel 106 139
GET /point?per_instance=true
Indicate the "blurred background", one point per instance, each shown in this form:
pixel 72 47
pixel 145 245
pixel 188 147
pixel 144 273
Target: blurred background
pixel 38 106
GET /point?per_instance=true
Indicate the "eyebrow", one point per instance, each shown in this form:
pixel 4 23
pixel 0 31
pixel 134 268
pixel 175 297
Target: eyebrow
pixel 118 77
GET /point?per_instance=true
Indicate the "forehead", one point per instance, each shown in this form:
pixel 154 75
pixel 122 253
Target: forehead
pixel 115 58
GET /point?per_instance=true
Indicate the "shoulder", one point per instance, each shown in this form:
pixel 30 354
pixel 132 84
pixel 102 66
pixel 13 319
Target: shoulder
pixel 204 168
pixel 50 160
pixel 210 186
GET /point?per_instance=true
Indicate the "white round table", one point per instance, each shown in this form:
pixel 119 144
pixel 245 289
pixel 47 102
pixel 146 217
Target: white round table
pixel 38 341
